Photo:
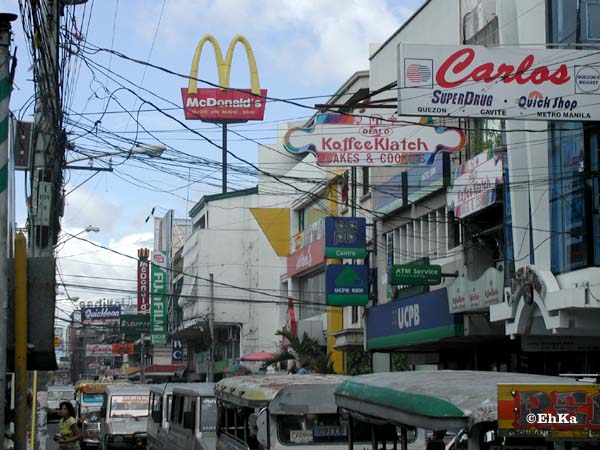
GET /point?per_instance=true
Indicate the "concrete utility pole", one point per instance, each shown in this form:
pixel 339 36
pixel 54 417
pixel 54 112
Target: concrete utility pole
pixel 49 145
pixel 210 367
pixel 21 343
pixel 5 88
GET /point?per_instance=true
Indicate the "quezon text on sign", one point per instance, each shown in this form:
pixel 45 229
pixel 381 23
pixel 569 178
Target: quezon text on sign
pixel 497 82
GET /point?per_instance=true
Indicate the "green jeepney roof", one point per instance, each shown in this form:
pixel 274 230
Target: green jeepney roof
pixel 445 399
pixel 283 394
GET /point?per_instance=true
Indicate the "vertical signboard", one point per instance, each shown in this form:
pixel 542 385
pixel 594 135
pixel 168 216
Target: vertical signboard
pixel 143 282
pixel 158 304
pixel 346 285
pixel 176 352
pixel 474 185
pixel 345 237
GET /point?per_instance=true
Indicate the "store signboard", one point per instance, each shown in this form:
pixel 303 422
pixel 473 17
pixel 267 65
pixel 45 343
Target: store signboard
pixel 551 411
pixel 306 258
pixel 474 184
pixel 98 350
pixel 347 140
pixel 158 302
pixel 414 320
pixel 498 82
pixel 135 324
pixel 101 315
pixel 346 285
pixel 415 274
pixel 466 295
pixel 345 237
pixel 143 288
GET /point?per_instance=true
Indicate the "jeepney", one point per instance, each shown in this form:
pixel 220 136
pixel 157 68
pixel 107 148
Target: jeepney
pixel 193 419
pixel 124 417
pixel 486 410
pixel 277 411
pixel 89 396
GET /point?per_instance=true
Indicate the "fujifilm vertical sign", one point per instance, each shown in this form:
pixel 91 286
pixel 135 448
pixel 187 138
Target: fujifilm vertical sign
pixel 158 303
pixel 497 82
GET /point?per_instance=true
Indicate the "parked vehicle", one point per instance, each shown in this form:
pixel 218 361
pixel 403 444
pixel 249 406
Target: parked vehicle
pixel 124 420
pixel 277 411
pixel 486 410
pixel 59 393
pixel 159 409
pixel 89 397
pixel 193 418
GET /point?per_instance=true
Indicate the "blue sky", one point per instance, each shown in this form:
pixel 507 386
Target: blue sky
pixel 303 48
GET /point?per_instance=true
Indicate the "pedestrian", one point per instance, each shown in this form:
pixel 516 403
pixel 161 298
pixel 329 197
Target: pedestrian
pixel 69 433
pixel 303 370
pixel 437 441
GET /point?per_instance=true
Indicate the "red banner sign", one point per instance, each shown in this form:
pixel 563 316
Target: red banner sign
pixel 143 279
pixel 553 411
pixel 218 105
pixel 309 256
pixel 120 349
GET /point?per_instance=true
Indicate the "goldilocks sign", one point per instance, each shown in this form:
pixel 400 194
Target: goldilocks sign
pixel 224 104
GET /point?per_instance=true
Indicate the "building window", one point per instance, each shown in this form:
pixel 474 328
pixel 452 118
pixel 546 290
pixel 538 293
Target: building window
pixel 570 24
pixel 389 239
pixel 311 295
pixel 574 189
pixel 365 180
pixel 354 318
pixel 453 231
pixel 301 214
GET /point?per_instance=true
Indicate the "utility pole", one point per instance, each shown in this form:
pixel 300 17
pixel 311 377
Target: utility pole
pixel 21 343
pixel 210 367
pixel 5 88
pixel 49 142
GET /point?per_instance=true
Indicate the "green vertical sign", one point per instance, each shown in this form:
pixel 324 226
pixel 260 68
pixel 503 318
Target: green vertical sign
pixel 158 298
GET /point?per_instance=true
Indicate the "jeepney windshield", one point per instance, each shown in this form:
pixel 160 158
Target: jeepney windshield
pixel 92 398
pixel 129 405
pixel 61 395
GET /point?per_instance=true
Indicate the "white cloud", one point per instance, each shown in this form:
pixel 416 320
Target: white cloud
pixel 87 206
pixel 90 269
pixel 311 41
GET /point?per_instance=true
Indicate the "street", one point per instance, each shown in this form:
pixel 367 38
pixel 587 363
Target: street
pixel 52 430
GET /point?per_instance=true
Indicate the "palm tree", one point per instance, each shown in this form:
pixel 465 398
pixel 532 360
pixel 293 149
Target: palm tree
pixel 306 351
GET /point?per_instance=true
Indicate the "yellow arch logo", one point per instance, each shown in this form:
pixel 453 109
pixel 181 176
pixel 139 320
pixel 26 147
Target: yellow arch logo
pixel 223 104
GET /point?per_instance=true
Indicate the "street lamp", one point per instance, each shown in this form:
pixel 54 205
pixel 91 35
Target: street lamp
pixel 151 150
pixel 88 229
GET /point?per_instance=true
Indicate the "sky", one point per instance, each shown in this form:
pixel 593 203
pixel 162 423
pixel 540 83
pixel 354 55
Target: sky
pixel 305 50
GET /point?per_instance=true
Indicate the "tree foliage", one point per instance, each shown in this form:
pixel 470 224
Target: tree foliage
pixel 307 352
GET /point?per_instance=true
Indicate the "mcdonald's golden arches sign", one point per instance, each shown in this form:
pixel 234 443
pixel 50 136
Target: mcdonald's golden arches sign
pixel 224 104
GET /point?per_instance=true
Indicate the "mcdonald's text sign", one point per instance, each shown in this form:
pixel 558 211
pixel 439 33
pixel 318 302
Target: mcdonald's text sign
pixel 222 103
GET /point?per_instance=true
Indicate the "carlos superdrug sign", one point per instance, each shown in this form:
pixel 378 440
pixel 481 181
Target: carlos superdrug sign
pixel 497 82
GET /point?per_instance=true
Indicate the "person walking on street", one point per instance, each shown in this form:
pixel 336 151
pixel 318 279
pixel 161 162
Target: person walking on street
pixel 437 441
pixel 69 433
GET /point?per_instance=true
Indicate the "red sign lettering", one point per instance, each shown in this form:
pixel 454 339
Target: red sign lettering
pixel 457 69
